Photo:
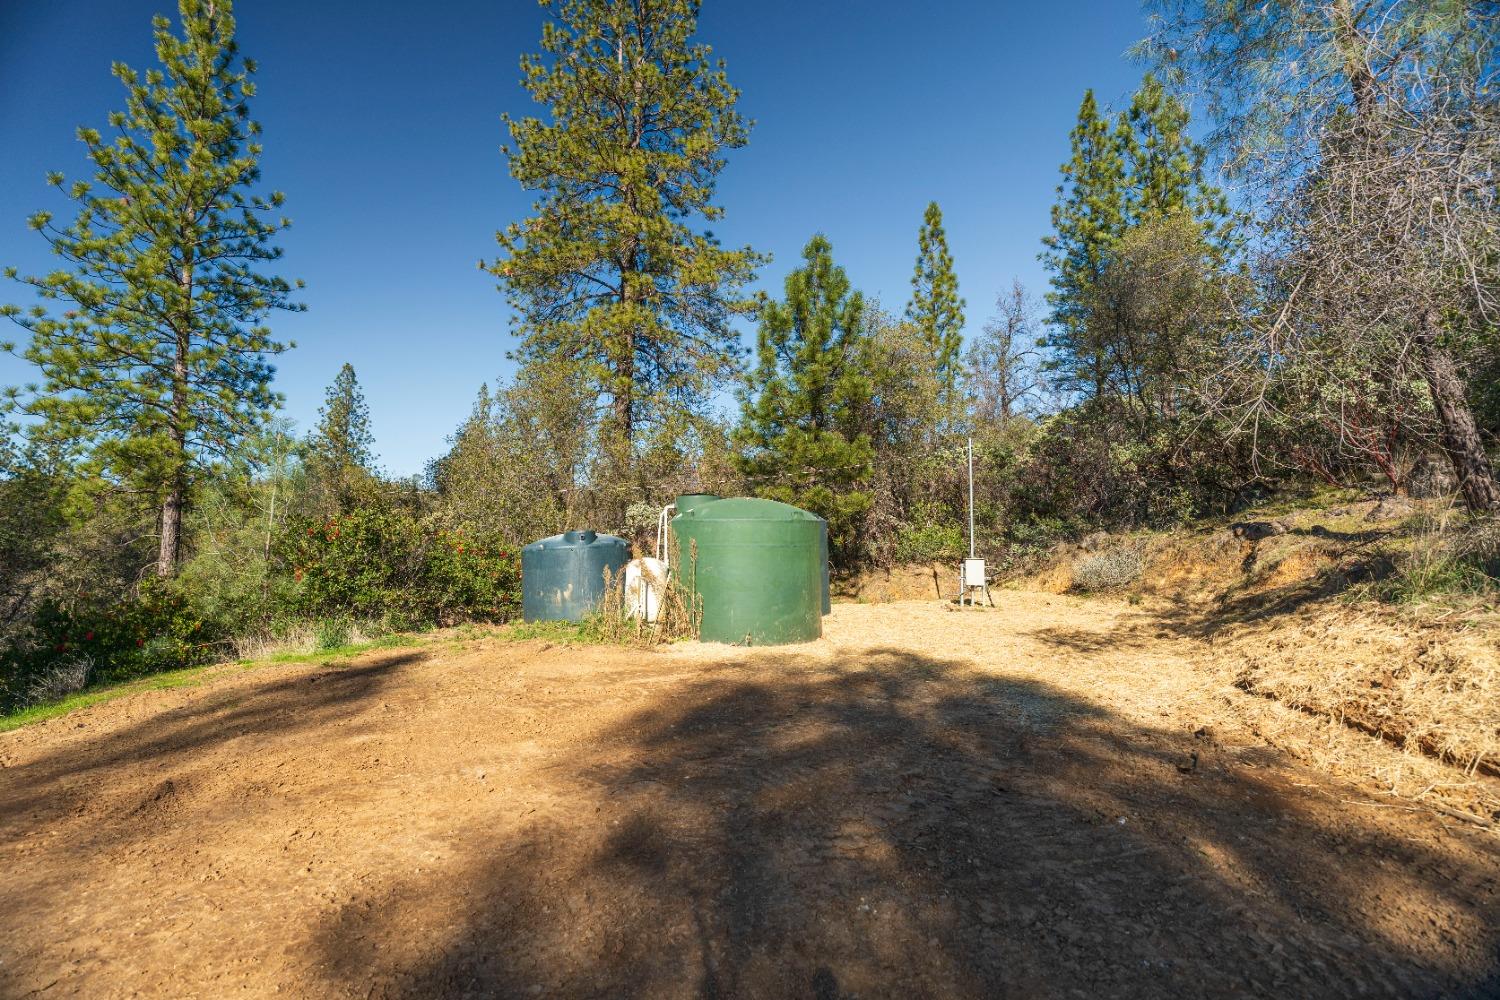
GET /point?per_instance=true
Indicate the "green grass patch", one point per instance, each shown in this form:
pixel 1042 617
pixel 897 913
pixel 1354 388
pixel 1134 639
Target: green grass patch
pixel 186 677
pixel 342 652
pixel 1438 579
pixel 563 632
pixel 191 677
pixel 1299 502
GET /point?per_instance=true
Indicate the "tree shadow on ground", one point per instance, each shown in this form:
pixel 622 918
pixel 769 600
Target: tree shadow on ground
pixel 1262 608
pixel 895 825
pixel 1259 606
pixel 73 779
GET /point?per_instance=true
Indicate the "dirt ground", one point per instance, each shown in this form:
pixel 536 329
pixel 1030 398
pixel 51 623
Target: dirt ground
pixel 1057 798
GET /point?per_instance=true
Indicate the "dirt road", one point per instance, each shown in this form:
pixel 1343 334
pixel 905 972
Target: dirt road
pixel 1053 799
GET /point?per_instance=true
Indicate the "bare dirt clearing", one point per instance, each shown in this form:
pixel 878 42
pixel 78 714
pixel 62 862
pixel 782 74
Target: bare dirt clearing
pixel 1056 798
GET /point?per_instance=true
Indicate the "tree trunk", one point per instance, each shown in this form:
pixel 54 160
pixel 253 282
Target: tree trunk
pixel 1459 437
pixel 171 533
pixel 624 374
pixel 171 509
pixel 623 403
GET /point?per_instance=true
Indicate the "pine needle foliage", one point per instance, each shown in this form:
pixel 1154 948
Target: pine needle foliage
pixel 801 436
pixel 936 309
pixel 156 365
pixel 340 449
pixel 615 273
pixel 1086 221
pixel 1144 171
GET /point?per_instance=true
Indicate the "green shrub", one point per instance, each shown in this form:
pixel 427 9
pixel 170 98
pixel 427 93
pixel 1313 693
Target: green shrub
pixel 334 633
pixel 386 565
pixel 159 628
pixel 933 532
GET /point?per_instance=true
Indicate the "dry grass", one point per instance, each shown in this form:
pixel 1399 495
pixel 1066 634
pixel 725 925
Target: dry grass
pixel 679 613
pixel 1113 569
pixel 66 677
pixel 1410 659
pixel 1148 663
pixel 1327 741
pixel 304 638
pixel 1431 691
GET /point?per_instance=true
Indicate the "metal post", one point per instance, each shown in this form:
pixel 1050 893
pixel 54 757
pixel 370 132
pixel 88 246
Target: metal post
pixel 971 498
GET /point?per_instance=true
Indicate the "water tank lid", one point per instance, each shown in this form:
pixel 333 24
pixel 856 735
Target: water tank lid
pixel 749 509
pixel 690 501
pixel 577 539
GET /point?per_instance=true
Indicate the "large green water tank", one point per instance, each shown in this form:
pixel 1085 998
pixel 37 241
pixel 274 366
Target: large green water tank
pixel 692 501
pixel 759 570
pixel 562 577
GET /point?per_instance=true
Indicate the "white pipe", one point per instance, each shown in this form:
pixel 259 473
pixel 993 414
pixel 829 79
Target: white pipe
pixel 663 551
pixel 971 498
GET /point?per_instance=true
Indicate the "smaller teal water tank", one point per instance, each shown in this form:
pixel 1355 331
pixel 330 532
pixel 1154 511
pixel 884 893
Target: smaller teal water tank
pixel 562 577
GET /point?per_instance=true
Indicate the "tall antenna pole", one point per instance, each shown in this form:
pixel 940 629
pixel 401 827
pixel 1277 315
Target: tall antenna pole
pixel 971 498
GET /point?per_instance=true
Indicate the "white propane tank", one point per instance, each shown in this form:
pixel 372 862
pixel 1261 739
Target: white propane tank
pixel 645 586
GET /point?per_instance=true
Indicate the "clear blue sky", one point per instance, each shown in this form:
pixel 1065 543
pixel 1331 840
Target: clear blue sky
pixel 382 126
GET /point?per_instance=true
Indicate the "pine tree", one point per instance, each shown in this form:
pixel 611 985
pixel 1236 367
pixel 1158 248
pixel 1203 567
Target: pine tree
pixel 339 450
pixel 1178 227
pixel 800 436
pixel 614 273
pixel 157 365
pixel 1088 218
pixel 343 436
pixel 1145 172
pixel 935 307
pixel 1164 167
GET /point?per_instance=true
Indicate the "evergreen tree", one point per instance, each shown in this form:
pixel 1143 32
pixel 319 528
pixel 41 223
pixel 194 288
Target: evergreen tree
pixel 339 449
pixel 1086 221
pixel 156 365
pixel 1151 306
pixel 800 436
pixel 614 274
pixel 935 307
pixel 343 437
pixel 1145 172
pixel 1164 167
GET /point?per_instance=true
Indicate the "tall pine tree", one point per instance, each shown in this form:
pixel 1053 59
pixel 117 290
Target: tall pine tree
pixel 1150 313
pixel 615 273
pixel 800 437
pixel 343 434
pixel 1144 172
pixel 157 366
pixel 935 308
pixel 1086 221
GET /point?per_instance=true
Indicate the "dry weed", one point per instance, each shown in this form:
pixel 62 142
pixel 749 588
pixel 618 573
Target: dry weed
pixel 1111 570
pixel 67 676
pixel 679 612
